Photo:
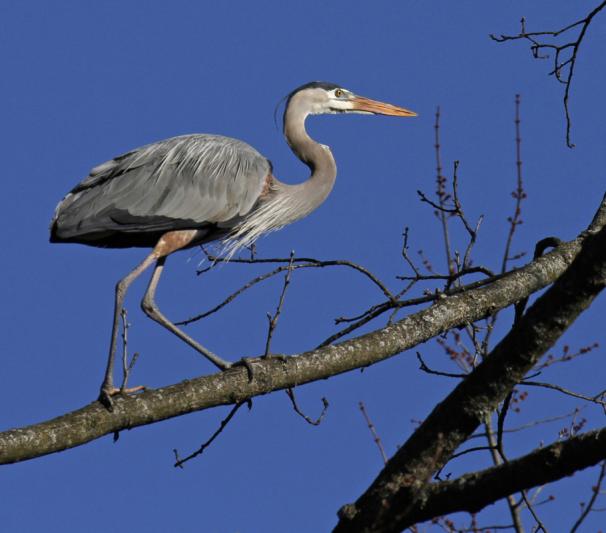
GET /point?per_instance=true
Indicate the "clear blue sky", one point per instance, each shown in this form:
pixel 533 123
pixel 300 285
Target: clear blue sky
pixel 82 82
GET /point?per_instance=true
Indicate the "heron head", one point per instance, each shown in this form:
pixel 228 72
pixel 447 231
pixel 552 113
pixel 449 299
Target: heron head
pixel 319 97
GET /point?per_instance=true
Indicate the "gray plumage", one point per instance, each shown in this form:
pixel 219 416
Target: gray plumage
pixel 188 190
pixel 205 182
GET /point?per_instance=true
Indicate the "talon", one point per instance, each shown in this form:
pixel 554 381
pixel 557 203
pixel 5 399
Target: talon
pixel 105 396
pixel 246 362
pixel 133 390
pixel 279 357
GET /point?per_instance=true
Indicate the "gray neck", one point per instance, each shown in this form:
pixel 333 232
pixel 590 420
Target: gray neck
pixel 288 203
pixel 307 196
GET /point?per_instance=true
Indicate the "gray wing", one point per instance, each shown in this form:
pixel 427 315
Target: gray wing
pixel 183 182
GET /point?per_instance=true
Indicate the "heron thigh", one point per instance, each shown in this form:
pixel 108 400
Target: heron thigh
pixel 174 240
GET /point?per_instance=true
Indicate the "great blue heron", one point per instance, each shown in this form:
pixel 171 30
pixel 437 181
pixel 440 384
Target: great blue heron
pixel 192 189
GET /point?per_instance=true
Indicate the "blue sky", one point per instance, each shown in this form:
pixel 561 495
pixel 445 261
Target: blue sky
pixel 83 82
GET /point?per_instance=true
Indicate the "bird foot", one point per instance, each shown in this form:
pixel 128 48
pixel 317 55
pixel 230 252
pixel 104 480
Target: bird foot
pixel 106 394
pixel 277 356
pixel 247 362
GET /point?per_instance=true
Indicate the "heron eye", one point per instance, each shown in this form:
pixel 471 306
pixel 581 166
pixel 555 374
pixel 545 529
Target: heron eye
pixel 338 93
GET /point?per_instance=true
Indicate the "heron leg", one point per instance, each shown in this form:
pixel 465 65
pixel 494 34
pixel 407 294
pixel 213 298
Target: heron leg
pixel 149 306
pixel 107 387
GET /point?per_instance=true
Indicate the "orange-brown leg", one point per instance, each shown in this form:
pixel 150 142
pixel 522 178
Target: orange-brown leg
pixel 170 242
pixel 149 306
pixel 107 387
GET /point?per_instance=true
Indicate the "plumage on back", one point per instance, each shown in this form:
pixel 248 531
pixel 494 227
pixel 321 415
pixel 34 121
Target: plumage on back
pixel 188 182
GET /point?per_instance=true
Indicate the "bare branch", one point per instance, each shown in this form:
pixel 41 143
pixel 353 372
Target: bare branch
pixel 566 355
pixel 233 386
pixel 405 253
pixel 455 418
pixel 519 194
pixel 451 277
pixel 532 424
pixel 595 493
pixel 314 422
pixel 497 459
pixel 442 195
pixel 597 399
pixel 564 55
pixel 180 462
pixel 472 492
pixel 273 320
pixel 309 262
pixel 473 232
pixel 428 370
pixel 373 432
pixel 126 365
pixel 297 263
pixel 378 309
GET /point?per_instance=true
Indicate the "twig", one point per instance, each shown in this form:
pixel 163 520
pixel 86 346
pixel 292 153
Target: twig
pixel 125 326
pixel 473 232
pixel 530 507
pixel 455 266
pixel 501 422
pixel 497 459
pixel 126 366
pixel 373 432
pixel 484 529
pixel 299 262
pixel 378 309
pixel 574 428
pixel 428 370
pixel 232 296
pixel 593 399
pixel 437 206
pixel 565 357
pixel 405 253
pixel 291 394
pixel 470 450
pixel 450 277
pixel 501 451
pixel 308 262
pixel 441 194
pixel 565 55
pixel 596 491
pixel 514 221
pixel 179 462
pixel 530 424
pixel 273 320
pixel 519 194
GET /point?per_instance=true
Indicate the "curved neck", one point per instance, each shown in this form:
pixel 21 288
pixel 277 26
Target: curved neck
pixel 310 194
pixel 287 203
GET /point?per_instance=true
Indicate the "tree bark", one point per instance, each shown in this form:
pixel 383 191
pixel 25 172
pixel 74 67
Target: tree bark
pixel 400 488
pixel 472 492
pixel 94 421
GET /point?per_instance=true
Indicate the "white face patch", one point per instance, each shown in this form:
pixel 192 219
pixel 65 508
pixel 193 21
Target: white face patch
pixel 320 101
pixel 340 100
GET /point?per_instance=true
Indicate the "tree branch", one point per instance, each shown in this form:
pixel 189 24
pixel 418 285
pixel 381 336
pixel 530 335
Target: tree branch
pixel 232 386
pixel 472 492
pixel 564 55
pixel 393 496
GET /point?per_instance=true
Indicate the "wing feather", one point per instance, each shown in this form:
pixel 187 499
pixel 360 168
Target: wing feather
pixel 191 181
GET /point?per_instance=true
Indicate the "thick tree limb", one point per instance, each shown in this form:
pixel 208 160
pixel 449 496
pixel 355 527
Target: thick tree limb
pixel 391 499
pixel 94 421
pixel 473 492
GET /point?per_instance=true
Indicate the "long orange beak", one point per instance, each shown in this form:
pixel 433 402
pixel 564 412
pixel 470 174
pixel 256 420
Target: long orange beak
pixel 380 108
